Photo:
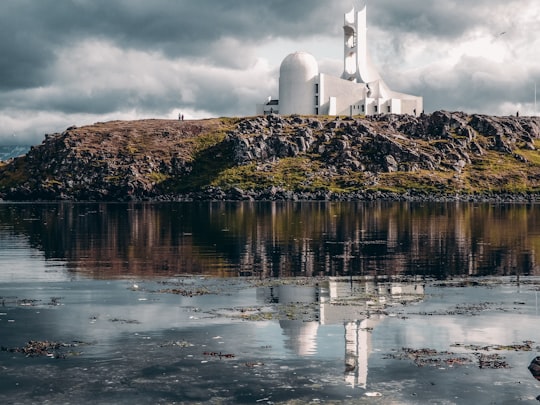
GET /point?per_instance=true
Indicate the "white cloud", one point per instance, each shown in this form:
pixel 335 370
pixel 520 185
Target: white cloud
pixel 97 81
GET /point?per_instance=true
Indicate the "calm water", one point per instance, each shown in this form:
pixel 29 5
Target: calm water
pixel 270 239
pixel 313 301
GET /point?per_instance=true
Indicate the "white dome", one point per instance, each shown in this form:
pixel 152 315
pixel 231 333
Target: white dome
pixel 298 75
pixel 300 64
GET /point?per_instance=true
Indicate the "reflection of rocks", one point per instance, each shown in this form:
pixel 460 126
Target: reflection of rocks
pixel 147 240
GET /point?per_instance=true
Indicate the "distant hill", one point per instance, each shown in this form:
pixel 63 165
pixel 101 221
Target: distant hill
pixel 442 155
pixel 8 152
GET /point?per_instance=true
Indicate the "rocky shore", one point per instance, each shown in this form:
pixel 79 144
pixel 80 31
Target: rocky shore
pixel 441 156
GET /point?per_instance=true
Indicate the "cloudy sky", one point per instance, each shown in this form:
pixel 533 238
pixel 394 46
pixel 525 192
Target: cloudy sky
pixel 75 62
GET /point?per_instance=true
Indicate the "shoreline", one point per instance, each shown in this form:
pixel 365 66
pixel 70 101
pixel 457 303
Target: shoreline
pixel 238 195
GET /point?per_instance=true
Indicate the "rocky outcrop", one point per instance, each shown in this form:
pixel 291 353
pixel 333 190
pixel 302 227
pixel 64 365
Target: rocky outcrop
pixel 163 159
pixel 106 161
pixel 384 143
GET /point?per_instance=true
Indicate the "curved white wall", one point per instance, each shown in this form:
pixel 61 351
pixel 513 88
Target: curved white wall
pixel 297 77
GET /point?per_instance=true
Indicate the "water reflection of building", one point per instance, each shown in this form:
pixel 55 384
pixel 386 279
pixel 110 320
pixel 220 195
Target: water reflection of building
pixel 357 350
pixel 356 303
pixel 361 316
pixel 300 336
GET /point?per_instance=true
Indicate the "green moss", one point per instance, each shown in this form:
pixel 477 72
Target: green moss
pixel 158 177
pixel 421 181
pixel 503 173
pixel 532 156
pixel 288 173
pixel 347 181
pixel 208 140
pixel 299 174
pixel 245 177
pixel 291 172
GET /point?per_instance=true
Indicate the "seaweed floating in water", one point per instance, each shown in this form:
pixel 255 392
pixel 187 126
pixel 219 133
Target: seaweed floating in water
pixel 184 293
pixel 433 358
pixel 220 355
pixel 40 348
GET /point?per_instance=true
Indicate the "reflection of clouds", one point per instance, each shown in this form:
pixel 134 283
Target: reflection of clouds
pixel 104 312
pixel 469 315
pixel 105 324
pixel 19 262
pixel 439 331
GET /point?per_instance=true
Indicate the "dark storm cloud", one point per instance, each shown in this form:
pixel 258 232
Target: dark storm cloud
pixel 34 29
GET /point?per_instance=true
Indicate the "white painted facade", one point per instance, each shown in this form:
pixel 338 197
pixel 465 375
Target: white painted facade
pixel 359 91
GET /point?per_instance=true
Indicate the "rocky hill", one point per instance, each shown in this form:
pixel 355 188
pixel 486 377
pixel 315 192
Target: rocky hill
pixel 441 155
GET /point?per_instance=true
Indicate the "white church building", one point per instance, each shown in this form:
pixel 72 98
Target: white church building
pixel 360 89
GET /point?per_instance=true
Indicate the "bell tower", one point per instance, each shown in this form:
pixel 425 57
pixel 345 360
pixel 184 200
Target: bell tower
pixel 357 63
pixel 350 47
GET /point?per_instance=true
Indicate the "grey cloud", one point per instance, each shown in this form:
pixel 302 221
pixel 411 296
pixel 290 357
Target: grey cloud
pixel 203 49
pixel 177 29
pixel 423 18
pixel 165 24
pixel 34 30
pixel 443 19
pixel 472 84
pixel 101 101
